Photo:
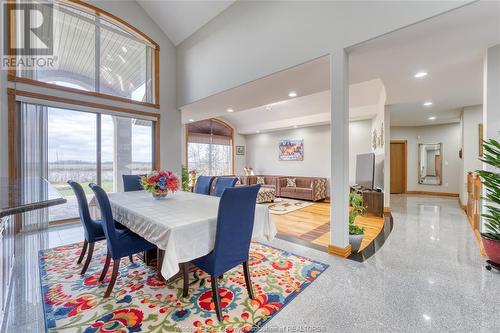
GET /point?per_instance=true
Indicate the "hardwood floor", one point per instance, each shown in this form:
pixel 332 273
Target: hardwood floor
pixel 311 224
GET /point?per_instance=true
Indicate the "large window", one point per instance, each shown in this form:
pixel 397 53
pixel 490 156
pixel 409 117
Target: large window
pixel 210 147
pixel 85 147
pixel 97 54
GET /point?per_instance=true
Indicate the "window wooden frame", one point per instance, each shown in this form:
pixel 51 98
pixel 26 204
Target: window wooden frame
pixel 13 128
pixel 186 131
pixel 12 75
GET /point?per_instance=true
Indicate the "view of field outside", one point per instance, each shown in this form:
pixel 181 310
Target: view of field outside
pixel 209 159
pixel 72 154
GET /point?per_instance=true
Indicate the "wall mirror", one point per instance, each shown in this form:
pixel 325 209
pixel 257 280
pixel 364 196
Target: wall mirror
pixel 430 164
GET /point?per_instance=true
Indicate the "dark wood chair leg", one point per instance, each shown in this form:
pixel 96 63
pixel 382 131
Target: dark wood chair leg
pixel 248 282
pixel 84 250
pixel 131 257
pixel 185 284
pixel 216 297
pixel 89 258
pixel 114 275
pixel 106 267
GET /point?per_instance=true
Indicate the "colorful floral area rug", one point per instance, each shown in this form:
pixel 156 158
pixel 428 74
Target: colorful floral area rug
pixel 140 302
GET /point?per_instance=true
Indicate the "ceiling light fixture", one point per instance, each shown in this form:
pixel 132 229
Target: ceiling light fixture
pixel 257 132
pixel 230 110
pixel 419 75
pixel 295 126
pixel 292 94
pixel 432 118
pixel 268 108
pixel 427 103
pixel 191 120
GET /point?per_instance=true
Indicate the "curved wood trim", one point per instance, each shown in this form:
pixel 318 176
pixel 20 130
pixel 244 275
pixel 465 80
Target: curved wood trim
pixel 232 141
pixel 12 75
pixel 115 19
pixel 15 92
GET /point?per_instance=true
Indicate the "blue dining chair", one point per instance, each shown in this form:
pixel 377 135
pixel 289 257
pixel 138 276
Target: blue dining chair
pixel 223 183
pixel 132 183
pixel 121 242
pixel 203 184
pixel 92 229
pixel 235 221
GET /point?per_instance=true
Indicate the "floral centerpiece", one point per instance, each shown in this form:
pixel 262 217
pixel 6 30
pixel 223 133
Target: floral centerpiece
pixel 159 183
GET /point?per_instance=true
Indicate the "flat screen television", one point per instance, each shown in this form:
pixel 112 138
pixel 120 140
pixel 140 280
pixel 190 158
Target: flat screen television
pixel 365 170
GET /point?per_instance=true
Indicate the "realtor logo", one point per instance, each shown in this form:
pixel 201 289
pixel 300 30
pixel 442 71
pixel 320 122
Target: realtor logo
pixel 28 37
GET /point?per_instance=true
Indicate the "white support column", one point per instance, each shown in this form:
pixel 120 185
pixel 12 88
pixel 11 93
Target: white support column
pixel 339 187
pixel 122 158
pixel 491 97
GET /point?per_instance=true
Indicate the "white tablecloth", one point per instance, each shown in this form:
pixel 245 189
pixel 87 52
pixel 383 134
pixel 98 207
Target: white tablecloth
pixel 183 224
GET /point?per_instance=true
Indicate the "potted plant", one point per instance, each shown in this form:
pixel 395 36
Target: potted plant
pixel 355 232
pixel 185 178
pixel 491 182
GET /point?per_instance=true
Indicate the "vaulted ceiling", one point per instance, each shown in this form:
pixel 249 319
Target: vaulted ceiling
pixel 180 19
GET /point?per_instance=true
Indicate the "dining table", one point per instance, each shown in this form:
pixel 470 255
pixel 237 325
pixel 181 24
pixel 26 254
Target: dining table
pixel 183 224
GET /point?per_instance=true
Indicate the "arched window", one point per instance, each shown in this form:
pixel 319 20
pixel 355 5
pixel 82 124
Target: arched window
pixel 210 147
pixel 93 53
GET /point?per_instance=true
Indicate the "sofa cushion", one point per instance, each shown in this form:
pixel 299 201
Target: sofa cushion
pixel 303 190
pixel 287 190
pixel 291 182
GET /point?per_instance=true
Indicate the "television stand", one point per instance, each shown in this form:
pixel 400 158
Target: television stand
pixel 373 200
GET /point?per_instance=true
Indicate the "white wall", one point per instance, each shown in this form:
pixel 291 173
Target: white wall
pixel 449 136
pixel 170 142
pixel 472 116
pixel 262 150
pixel 252 39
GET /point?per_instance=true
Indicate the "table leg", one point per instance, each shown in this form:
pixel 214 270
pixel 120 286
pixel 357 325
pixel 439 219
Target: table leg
pixel 159 262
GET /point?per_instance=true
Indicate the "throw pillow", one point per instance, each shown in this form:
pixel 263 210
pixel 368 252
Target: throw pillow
pixel 238 182
pixel 290 182
pixel 260 180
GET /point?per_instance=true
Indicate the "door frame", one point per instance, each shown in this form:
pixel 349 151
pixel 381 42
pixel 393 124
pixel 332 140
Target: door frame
pixel 405 168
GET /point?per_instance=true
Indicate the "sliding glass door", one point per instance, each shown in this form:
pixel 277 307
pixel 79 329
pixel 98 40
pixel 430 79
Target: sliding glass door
pixel 87 147
pixel 72 154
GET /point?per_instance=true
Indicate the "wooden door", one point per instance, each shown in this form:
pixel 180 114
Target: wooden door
pixel 398 167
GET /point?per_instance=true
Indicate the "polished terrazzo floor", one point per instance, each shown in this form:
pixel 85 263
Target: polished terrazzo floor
pixel 428 276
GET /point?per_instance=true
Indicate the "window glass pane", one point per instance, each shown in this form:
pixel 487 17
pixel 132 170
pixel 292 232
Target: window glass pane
pixel 198 158
pixel 124 63
pixel 126 148
pixel 210 159
pixel 71 152
pixel 74 46
pixel 221 160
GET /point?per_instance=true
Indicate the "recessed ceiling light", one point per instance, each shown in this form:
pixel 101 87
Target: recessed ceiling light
pixel 292 94
pixel 268 108
pixel 257 131
pixel 419 75
pixel 427 103
pixel 295 126
pixel 191 120
pixel 432 118
pixel 230 110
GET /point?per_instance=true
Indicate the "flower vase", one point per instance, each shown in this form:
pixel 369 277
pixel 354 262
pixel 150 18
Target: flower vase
pixel 159 196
